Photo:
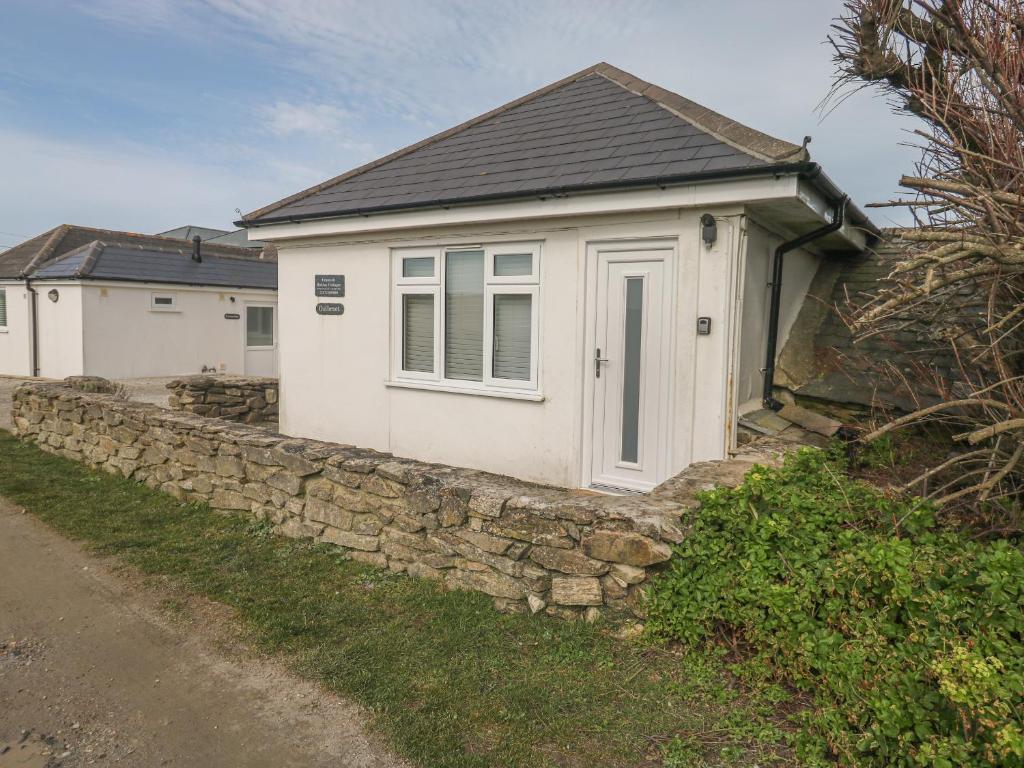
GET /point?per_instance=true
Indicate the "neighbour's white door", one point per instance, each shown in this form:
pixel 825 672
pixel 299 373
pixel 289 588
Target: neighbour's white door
pixel 260 339
pixel 629 365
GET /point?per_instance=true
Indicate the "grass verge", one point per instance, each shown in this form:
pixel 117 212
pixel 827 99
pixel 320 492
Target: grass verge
pixel 446 678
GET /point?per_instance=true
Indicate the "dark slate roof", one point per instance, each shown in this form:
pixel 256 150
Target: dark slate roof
pixel 29 256
pixel 600 128
pixel 148 264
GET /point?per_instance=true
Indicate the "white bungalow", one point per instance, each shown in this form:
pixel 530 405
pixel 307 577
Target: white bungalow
pixel 83 301
pixel 574 288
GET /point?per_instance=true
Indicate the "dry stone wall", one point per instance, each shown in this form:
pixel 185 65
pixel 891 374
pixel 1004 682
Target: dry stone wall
pixel 248 399
pixel 532 548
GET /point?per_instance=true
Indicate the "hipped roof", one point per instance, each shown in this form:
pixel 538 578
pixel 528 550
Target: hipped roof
pixel 599 128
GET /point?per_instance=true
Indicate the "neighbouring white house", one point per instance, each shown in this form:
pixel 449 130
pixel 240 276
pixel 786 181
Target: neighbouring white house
pixel 575 288
pixel 83 301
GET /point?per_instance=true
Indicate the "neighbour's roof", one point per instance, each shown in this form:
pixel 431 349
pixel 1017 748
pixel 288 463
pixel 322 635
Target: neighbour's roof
pixel 189 231
pixel 27 257
pixel 210 235
pixel 599 128
pixel 151 264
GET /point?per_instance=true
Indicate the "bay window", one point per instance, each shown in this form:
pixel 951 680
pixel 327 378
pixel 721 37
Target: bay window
pixel 466 317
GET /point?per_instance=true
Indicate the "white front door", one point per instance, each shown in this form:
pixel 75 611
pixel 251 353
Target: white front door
pixel 629 365
pixel 260 339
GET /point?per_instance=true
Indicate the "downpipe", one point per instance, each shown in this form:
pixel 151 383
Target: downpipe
pixel 838 218
pixel 33 308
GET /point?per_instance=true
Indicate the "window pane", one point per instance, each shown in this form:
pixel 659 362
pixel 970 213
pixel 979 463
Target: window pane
pixel 418 266
pixel 512 336
pixel 631 368
pixel 418 332
pixel 259 326
pixel 513 264
pixel 464 315
pixel 3 307
pixel 163 301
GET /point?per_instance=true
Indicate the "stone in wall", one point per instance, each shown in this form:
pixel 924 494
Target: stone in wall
pixel 247 399
pixel 532 548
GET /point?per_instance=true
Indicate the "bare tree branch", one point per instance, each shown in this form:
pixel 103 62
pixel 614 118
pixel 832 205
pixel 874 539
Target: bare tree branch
pixel 959 66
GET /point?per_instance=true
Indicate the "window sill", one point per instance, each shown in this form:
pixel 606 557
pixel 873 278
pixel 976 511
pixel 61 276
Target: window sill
pixel 511 394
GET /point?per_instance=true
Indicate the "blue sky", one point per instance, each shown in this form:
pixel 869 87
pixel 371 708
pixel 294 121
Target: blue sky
pixel 148 114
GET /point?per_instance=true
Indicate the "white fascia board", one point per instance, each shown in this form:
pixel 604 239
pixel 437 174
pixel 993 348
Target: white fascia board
pixel 736 191
pixel 809 195
pixel 151 286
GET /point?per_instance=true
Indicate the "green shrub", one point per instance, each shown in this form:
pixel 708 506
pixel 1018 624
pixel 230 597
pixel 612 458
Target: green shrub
pixel 907 638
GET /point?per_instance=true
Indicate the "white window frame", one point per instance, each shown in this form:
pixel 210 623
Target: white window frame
pixel 418 253
pixel 398 345
pixel 493 285
pixel 273 325
pixel 505 289
pixel 154 307
pixel 509 249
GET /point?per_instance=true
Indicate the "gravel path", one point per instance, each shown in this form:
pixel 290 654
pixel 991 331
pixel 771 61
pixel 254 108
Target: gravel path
pixel 95 670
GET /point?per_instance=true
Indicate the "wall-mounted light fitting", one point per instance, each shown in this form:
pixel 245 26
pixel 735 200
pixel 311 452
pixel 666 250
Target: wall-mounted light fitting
pixel 708 229
pixel 53 294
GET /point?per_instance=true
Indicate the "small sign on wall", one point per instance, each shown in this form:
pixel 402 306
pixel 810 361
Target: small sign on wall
pixel 329 285
pixel 325 308
pixel 232 316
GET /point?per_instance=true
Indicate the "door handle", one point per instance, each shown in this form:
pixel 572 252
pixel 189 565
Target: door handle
pixel 597 362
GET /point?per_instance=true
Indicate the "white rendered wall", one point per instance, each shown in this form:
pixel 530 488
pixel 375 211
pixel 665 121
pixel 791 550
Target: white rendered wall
pixel 334 369
pixel 799 268
pixel 124 338
pixel 16 338
pixel 60 330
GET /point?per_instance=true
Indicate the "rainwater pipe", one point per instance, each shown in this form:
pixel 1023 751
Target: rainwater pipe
pixel 838 217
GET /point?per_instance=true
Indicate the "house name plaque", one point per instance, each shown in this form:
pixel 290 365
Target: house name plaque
pixel 329 285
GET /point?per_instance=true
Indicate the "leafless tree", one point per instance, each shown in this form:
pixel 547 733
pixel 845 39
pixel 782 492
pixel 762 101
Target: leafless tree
pixel 959 66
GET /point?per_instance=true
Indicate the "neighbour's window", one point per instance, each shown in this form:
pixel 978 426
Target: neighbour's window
pixel 259 326
pixel 163 302
pixel 467 316
pixel 3 307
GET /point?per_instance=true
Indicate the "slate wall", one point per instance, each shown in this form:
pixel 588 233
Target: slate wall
pixel 532 548
pixel 899 369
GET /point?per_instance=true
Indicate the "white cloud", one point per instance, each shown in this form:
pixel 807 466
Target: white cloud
pixel 375 76
pixel 284 118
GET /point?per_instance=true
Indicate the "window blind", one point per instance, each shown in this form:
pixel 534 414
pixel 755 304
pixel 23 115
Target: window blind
pixel 512 336
pixel 418 332
pixel 464 315
pixel 3 307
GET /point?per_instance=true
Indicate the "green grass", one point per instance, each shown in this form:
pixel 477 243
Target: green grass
pixel 448 680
